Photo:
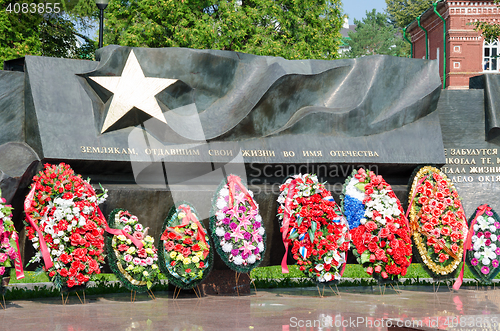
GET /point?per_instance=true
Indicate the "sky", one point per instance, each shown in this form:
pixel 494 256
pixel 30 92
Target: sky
pixel 356 9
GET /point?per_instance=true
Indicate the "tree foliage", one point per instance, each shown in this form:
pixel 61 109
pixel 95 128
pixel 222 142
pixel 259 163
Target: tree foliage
pixel 375 35
pixel 293 29
pixel 47 34
pixel 402 13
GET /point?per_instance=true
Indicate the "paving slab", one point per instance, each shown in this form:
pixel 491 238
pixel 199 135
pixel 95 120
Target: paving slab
pixel 356 308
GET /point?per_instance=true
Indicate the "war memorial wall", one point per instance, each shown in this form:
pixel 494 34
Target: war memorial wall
pixel 158 126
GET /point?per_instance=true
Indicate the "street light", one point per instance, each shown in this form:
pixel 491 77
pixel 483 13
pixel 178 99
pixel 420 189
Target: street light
pixel 101 4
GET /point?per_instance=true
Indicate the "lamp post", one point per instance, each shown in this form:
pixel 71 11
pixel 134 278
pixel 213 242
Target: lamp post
pixel 101 4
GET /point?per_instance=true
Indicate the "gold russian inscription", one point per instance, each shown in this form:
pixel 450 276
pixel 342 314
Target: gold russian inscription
pixel 462 179
pixel 258 153
pixel 478 161
pixel 171 152
pixel 486 160
pixel 484 170
pixel 472 151
pixel 354 153
pixel 451 170
pixel 222 152
pixel 107 150
pixel 488 179
pixel 289 154
pixel 460 160
pixel 312 153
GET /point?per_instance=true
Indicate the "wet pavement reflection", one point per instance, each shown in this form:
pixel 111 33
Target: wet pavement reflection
pixel 353 308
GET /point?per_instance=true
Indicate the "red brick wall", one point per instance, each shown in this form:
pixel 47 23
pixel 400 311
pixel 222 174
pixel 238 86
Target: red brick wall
pixel 464 46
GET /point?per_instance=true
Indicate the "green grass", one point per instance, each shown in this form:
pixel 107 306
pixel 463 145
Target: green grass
pixel 103 286
pixel 352 271
pixel 264 277
pixel 29 277
pixel 35 277
pixel 272 272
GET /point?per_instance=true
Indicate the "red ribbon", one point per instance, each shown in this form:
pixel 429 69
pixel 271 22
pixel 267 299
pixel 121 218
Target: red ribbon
pixel 138 243
pixel 233 180
pixel 286 221
pixel 17 262
pixel 468 243
pixel 43 246
pixel 344 266
pixel 185 221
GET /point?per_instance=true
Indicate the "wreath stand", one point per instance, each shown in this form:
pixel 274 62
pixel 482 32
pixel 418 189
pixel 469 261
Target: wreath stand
pixel 74 289
pixel 322 293
pixel 3 284
pixel 196 289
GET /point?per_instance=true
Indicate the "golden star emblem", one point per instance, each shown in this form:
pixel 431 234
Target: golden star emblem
pixel 132 89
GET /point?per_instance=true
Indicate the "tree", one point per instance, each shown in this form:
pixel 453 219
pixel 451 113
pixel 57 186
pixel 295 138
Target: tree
pixel 375 35
pixel 402 13
pixel 38 32
pixel 18 35
pixel 292 29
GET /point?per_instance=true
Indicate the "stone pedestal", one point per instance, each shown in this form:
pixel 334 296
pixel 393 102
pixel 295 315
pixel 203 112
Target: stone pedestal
pixel 226 282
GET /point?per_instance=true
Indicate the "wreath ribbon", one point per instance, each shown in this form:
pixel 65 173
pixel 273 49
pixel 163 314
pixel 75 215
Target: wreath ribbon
pixel 17 262
pixel 138 243
pixel 468 243
pixel 190 217
pixel 234 180
pixel 43 245
pixel 345 264
pixel 286 221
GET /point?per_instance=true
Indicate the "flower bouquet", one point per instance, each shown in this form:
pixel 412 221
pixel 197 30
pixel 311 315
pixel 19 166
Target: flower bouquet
pixel 236 226
pixel 186 258
pixel 311 222
pixel 438 222
pixel 132 255
pixel 9 246
pixel 378 226
pixel 483 244
pixel 65 225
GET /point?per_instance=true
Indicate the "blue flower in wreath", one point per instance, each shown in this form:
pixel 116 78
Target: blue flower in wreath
pixel 354 211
